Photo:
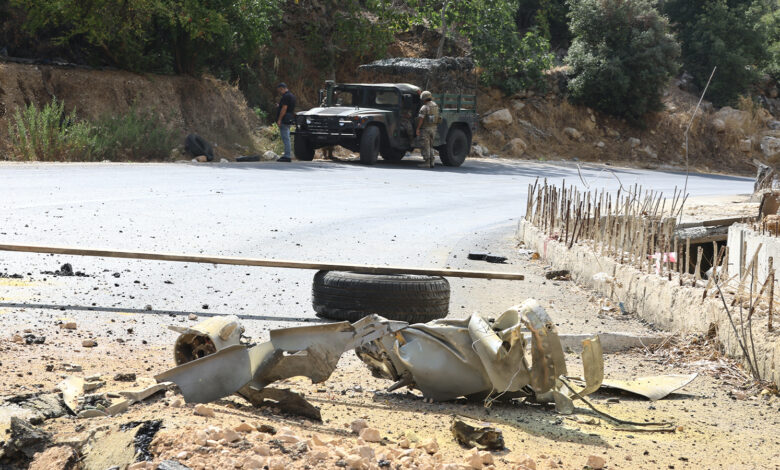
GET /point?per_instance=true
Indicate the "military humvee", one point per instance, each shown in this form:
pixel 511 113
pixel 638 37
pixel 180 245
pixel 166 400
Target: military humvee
pixel 380 119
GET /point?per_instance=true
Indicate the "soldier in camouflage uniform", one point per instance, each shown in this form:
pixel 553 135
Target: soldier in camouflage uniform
pixel 427 121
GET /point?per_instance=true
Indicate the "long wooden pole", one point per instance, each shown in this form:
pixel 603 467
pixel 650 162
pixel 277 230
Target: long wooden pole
pixel 270 263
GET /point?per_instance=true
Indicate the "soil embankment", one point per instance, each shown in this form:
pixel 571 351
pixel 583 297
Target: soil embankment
pixel 206 106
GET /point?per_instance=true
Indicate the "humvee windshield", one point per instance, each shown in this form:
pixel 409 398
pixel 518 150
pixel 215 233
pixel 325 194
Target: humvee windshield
pixel 366 97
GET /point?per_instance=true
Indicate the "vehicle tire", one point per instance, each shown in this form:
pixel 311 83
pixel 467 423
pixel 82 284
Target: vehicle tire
pixel 392 155
pixel 456 149
pixel 341 295
pixel 304 150
pixel 369 145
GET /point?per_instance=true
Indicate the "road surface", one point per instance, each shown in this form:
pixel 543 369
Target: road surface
pixel 318 211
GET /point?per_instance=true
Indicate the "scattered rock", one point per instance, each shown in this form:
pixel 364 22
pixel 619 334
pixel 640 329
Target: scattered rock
pixel 600 144
pixel 497 119
pixel 53 458
pixel 770 146
pixel 126 377
pixel 745 145
pixel 21 438
pixel 572 133
pixel 431 446
pixel 633 142
pixel 17 339
pixel 203 410
pixel 224 160
pixel 89 343
pixel 719 125
pixel 609 132
pixel 774 125
pixel 516 147
pixel 200 159
pixel 245 427
pixel 498 135
pixel 648 152
pixel 92 413
pixel 370 435
pixel 231 435
pixel 192 317
pixel 270 155
pixel 595 462
pixel 518 105
pixel 68 325
pixel 484 437
pixel 358 425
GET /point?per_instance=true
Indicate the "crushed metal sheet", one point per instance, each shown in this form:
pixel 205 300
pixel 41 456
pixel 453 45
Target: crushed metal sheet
pixel 483 437
pixel 447 359
pixel 610 342
pixel 310 351
pixel 654 388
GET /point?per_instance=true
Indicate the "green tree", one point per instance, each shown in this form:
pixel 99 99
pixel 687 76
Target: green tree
pixel 181 36
pixel 509 60
pixel 621 57
pixel 548 17
pixel 722 33
pixel 771 24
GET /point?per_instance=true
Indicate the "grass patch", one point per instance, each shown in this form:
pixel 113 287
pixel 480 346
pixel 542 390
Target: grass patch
pixel 51 134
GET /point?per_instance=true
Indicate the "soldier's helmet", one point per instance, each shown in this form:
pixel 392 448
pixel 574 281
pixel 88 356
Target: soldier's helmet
pixel 426 95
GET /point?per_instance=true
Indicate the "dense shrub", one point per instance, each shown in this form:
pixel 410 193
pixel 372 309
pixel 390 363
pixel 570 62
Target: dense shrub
pixel 722 33
pixel 508 60
pixel 548 17
pixel 158 35
pixel 51 134
pixel 621 57
pixel 770 22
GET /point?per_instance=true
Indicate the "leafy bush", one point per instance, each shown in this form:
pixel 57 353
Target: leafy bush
pixel 622 56
pixel 132 136
pixel 50 134
pixel 770 22
pixel 546 16
pixel 722 33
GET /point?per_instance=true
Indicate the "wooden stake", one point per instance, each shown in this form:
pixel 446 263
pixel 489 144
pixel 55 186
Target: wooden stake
pixel 270 263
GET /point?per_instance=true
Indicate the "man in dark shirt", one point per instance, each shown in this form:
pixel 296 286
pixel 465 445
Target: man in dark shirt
pixel 285 117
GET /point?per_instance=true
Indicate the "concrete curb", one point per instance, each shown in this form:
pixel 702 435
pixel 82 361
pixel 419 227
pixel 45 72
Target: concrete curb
pixel 654 299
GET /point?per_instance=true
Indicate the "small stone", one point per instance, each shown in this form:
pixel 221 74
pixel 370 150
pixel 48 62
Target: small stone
pixel 275 464
pixel 595 462
pixel 211 443
pixel 231 435
pixel 430 446
pixel 487 457
pixel 17 339
pixel 200 159
pixel 245 427
pixel 366 452
pixel 358 425
pixel 192 317
pixel 89 343
pixel 719 125
pixel 183 455
pixel 177 402
pixel 125 377
pixel 634 142
pixel 146 307
pixel 526 461
pixel 404 443
pixel 572 133
pixel 370 435
pixel 253 463
pixel 354 461
pixel 262 449
pixel 70 325
pixel 205 306
pixel 58 457
pixel 137 466
pixel 500 118
pixel 204 410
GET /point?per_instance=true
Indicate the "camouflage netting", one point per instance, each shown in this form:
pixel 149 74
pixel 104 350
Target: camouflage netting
pixel 448 74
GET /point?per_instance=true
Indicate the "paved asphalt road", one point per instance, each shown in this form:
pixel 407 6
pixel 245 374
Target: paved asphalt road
pixel 321 211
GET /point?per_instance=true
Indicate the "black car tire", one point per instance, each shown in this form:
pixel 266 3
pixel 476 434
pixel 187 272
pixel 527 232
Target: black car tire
pixel 341 295
pixel 456 149
pixel 369 145
pixel 303 149
pixel 391 154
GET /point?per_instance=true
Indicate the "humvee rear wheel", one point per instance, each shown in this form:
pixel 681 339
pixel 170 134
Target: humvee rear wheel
pixel 369 145
pixel 455 150
pixel 303 148
pixel 392 155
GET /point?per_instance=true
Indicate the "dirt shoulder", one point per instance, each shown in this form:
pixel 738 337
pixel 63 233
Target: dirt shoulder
pixel 719 423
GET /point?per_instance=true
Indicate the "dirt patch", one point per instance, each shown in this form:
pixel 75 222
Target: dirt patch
pixel 206 106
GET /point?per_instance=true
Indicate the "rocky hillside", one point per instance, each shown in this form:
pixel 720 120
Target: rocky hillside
pixel 205 106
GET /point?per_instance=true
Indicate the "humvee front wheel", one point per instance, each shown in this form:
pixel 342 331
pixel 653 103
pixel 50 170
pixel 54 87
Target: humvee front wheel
pixel 369 145
pixel 303 148
pixel 455 150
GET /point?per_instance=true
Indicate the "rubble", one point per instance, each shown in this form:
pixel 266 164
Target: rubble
pixel 483 437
